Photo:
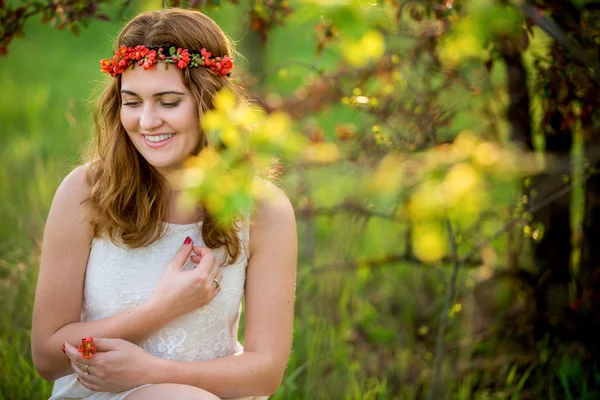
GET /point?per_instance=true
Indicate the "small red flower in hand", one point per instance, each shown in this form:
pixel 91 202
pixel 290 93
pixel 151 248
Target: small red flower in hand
pixel 87 348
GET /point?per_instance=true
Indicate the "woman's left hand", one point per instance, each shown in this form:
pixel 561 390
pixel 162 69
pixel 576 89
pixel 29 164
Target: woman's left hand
pixel 118 365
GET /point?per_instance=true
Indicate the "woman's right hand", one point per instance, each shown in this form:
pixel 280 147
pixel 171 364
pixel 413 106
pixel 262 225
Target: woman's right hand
pixel 181 291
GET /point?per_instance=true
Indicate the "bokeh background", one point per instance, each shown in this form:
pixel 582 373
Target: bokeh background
pixel 446 189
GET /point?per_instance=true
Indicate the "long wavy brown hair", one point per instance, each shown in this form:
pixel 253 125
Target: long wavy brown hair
pixel 129 198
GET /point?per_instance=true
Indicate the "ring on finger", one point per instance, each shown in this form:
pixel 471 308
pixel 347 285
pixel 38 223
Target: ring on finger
pixel 87 371
pixel 217 282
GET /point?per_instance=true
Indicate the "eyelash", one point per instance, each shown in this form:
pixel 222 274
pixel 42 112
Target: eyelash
pixel 167 105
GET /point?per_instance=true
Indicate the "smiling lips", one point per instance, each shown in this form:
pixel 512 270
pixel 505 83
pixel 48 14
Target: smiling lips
pixel 160 140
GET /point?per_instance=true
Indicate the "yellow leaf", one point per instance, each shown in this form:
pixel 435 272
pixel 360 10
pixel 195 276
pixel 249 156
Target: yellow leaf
pixel 322 152
pixel 213 202
pixel 387 176
pixel 228 185
pixel 455 309
pixel 250 116
pixel 231 137
pixel 460 180
pixel 207 159
pixel 429 243
pixel 462 44
pixel 192 176
pixel 224 100
pixel 276 126
pixel 428 201
pixel 212 120
pixel 294 144
pixel 465 142
pixel 486 154
pixel 373 45
pixel 369 48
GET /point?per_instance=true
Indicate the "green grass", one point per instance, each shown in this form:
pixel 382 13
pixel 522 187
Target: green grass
pixel 47 80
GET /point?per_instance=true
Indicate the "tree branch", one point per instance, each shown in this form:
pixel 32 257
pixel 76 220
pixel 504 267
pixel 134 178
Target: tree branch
pixel 450 293
pixel 345 207
pixel 390 259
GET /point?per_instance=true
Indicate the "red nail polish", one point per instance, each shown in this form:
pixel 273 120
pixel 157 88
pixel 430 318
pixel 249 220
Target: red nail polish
pixel 63 348
pixel 187 240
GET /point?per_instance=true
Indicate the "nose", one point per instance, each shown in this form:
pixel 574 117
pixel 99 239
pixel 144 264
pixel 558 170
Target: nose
pixel 149 119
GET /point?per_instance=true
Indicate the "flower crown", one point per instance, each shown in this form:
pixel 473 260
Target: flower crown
pixel 182 58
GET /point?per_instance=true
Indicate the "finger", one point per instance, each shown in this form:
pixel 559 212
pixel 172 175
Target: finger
pixel 182 254
pixel 86 379
pixel 91 386
pixel 216 290
pixel 79 365
pixel 212 274
pixel 202 251
pixel 79 369
pixel 218 277
pixel 107 344
pixel 195 259
pixel 75 356
pixel 207 262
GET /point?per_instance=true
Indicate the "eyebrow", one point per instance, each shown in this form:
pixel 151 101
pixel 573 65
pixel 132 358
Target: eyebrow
pixel 155 94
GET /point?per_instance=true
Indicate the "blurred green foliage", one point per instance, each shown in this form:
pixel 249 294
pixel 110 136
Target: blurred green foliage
pixel 47 84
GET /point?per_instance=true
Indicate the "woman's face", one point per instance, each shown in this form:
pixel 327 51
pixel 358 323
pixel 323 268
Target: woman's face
pixel 160 115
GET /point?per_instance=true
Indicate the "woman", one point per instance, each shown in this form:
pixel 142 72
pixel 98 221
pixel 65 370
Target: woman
pixel 158 288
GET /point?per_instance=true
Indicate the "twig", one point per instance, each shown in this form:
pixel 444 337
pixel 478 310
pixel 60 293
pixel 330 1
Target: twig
pixel 345 207
pixel 552 29
pixel 390 259
pixel 450 293
pixel 537 206
pixel 458 262
pixel 467 259
pixel 336 85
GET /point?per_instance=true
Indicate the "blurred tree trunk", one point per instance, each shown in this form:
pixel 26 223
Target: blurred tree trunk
pixel 254 47
pixel 567 294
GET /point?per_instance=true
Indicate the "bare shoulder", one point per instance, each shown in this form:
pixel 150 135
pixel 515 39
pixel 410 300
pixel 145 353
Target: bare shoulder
pixel 74 188
pixel 66 244
pixel 273 205
pixel 69 208
pixel 273 217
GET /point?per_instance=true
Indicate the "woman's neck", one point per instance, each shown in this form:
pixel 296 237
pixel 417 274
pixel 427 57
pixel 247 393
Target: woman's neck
pixel 178 212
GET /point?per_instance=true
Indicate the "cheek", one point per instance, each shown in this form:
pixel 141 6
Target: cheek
pixel 124 119
pixel 128 120
pixel 186 119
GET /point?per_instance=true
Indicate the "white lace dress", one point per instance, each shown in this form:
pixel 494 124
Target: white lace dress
pixel 118 278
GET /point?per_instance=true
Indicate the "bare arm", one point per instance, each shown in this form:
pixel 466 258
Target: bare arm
pixel 58 299
pixel 270 292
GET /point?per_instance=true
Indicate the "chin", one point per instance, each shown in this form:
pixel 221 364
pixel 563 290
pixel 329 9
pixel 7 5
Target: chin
pixel 162 164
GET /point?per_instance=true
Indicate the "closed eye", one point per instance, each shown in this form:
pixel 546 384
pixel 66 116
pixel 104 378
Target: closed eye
pixel 171 105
